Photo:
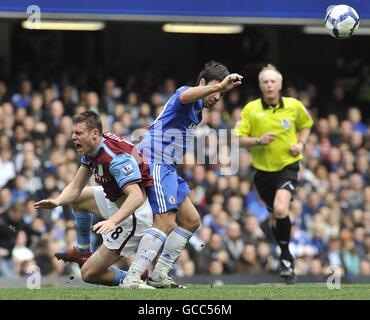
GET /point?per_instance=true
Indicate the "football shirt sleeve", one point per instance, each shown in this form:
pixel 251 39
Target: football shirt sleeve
pixel 243 127
pixel 84 161
pixel 304 119
pixel 125 170
pixel 178 93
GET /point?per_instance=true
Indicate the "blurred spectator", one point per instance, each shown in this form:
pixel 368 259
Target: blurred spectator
pixel 351 259
pixel 4 96
pixel 355 117
pixel 111 95
pixel 20 193
pixel 331 255
pixel 93 103
pixel 54 118
pixel 213 251
pixel 69 99
pixel 215 268
pixel 10 223
pixel 5 200
pixel 365 268
pixel 7 168
pixel 36 111
pixel 264 256
pixel 248 262
pixel 337 103
pixel 234 207
pixel 316 269
pixel 21 254
pixel 233 241
pixel 45 259
pixel 168 89
pixel 132 106
pixel 252 232
pixel 23 98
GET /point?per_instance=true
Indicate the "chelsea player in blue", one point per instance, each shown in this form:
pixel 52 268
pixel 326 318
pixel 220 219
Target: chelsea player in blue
pixel 175 217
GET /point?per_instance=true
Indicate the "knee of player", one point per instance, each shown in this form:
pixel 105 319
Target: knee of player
pixel 171 225
pixel 195 223
pixel 165 222
pixel 191 223
pixel 280 211
pixel 168 226
pixel 75 205
pixel 88 275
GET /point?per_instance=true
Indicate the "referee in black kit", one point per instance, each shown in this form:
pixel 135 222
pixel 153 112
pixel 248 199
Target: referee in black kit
pixel 276 129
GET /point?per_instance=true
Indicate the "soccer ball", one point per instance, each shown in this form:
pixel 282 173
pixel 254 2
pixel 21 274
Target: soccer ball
pixel 341 21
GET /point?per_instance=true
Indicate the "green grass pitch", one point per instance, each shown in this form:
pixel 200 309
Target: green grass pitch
pixel 226 292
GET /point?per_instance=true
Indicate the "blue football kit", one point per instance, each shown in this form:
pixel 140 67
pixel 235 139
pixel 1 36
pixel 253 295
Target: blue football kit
pixel 164 145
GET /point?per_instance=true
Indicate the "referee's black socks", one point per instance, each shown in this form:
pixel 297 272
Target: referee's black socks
pixel 282 235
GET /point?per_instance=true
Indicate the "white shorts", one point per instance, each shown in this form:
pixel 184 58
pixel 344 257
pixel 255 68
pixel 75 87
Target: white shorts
pixel 127 235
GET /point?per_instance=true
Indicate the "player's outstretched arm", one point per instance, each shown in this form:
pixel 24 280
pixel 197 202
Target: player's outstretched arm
pixel 46 203
pixel 70 193
pixel 133 201
pixel 195 93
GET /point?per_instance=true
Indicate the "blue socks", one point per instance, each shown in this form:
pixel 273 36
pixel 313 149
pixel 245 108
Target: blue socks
pixel 118 275
pixel 83 227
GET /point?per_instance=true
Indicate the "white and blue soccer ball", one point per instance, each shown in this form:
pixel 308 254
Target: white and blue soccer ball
pixel 341 21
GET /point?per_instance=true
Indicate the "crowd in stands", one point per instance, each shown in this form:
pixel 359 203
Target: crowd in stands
pixel 330 213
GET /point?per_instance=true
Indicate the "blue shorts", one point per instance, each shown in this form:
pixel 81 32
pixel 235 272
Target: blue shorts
pixel 169 189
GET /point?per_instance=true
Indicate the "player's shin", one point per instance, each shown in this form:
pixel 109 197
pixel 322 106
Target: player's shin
pixel 281 232
pixel 176 241
pixel 83 227
pixel 148 249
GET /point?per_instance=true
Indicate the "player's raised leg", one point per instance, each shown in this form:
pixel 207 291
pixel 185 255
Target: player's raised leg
pixel 82 208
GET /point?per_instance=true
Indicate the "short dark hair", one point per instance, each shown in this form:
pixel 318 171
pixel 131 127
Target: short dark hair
pixel 213 71
pixel 91 119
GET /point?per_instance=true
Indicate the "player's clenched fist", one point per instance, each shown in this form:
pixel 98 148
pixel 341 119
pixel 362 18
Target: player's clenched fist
pixel 231 81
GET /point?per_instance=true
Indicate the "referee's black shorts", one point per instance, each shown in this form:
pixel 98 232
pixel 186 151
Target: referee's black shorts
pixel 267 183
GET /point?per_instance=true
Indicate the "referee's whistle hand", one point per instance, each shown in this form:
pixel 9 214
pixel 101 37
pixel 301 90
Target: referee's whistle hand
pixel 267 138
pixel 296 149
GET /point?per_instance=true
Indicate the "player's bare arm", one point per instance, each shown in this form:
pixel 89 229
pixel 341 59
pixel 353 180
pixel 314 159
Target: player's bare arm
pixel 196 93
pixel 70 193
pixel 134 200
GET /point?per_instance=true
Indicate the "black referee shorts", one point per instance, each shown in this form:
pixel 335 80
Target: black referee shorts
pixel 267 183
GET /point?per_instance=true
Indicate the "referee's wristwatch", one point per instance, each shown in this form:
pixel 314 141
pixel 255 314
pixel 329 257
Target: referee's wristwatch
pixel 303 144
pixel 258 141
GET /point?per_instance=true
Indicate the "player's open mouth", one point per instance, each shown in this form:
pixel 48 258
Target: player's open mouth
pixel 210 104
pixel 78 146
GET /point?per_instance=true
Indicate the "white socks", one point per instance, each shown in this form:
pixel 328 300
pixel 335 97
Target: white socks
pixel 176 241
pixel 149 246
